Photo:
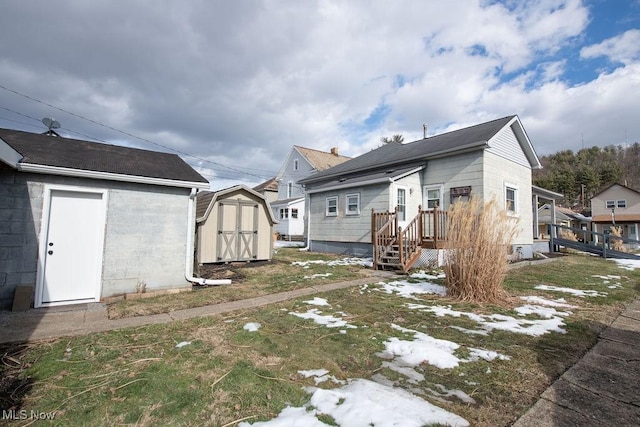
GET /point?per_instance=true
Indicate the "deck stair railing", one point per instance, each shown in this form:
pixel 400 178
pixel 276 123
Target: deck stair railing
pixel 399 248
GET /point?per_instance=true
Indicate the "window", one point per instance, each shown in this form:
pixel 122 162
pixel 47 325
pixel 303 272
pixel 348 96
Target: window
pixel 289 190
pixel 284 213
pixel 294 212
pixel 433 198
pixel 511 198
pixel 611 204
pixel 295 164
pixel 353 204
pixel 622 203
pixel 332 206
pixel 402 204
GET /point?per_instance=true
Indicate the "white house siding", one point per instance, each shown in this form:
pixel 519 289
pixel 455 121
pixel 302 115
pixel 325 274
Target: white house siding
pixel 457 171
pixel 616 192
pixel 288 175
pixel 289 226
pixel 499 172
pixel 342 232
pixel 145 236
pixel 504 144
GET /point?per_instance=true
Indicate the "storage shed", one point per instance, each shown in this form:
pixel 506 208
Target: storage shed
pixel 82 221
pixel 234 224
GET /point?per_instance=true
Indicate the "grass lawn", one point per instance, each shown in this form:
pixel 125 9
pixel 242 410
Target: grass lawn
pixel 248 280
pixel 222 370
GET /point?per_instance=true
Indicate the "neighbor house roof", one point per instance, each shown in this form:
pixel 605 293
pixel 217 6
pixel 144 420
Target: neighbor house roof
pixel 613 185
pixel 394 154
pixel 269 185
pixel 206 199
pixel 30 152
pixel 619 218
pixel 321 160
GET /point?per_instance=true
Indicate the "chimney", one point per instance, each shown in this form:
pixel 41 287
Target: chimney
pixel 424 130
pixel 334 151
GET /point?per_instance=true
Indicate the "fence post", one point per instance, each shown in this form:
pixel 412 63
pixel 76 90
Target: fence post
pixel 420 224
pixel 605 243
pixel 373 226
pixel 400 241
pixel 435 226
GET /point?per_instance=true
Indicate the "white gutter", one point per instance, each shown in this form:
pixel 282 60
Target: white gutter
pixel 188 269
pixel 80 173
pixel 308 212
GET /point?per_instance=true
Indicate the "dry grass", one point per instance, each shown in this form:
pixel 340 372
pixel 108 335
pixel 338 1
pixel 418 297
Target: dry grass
pixel 563 233
pixel 478 235
pixel 617 244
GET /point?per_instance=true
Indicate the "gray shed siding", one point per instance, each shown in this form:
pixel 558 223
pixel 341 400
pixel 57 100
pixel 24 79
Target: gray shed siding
pixel 145 235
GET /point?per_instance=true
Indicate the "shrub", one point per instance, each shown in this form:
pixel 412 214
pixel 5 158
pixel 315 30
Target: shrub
pixel 617 244
pixel 478 237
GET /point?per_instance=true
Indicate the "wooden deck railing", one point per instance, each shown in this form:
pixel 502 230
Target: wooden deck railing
pixel 410 241
pixel 384 226
pixel 434 226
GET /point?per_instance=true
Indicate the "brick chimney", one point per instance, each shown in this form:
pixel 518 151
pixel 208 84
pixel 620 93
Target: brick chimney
pixel 334 151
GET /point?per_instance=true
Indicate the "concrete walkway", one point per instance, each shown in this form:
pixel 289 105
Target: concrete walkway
pixel 54 322
pixel 603 388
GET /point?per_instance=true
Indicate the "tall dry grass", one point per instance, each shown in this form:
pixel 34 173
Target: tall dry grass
pixel 478 237
pixel 617 244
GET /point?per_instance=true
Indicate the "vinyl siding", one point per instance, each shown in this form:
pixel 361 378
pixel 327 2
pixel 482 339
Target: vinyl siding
pixel 498 172
pixel 616 192
pixel 505 144
pixel 347 228
pixel 456 171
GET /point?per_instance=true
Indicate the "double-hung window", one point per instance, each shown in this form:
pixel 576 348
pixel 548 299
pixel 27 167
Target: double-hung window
pixel 284 213
pixel 611 204
pixel 511 198
pixel 294 213
pixel 353 204
pixel 622 203
pixel 331 208
pixel 402 204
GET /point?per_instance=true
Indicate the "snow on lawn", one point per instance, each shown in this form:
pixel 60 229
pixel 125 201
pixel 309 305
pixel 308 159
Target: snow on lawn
pixel 317 275
pixel 320 376
pixel 317 301
pixel 328 320
pixel 489 322
pixel 628 264
pixel 576 292
pixel 365 262
pixel 251 327
pixel 560 302
pixel 607 280
pixel 407 289
pixel 363 403
pixel 426 276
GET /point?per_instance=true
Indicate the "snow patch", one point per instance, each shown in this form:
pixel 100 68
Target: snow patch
pixel 251 326
pixel 327 320
pixel 576 292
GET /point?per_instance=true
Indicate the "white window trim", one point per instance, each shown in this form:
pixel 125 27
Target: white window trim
pixel 516 189
pixel 346 208
pixel 425 192
pixel 326 206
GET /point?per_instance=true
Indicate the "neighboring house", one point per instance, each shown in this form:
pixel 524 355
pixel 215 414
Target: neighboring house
pixel 617 205
pixel 269 189
pixel 235 224
pixel 289 208
pixel 565 217
pixel 492 159
pixel 82 221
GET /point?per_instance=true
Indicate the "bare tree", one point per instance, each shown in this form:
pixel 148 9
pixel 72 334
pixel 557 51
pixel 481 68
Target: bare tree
pixel 395 138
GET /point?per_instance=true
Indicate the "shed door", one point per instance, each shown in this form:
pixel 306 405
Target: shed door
pixel 73 252
pixel 237 231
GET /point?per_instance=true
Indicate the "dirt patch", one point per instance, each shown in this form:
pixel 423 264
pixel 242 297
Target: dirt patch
pixel 232 270
pixel 14 386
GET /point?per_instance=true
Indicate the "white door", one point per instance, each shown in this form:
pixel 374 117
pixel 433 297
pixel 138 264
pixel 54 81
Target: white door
pixel 73 252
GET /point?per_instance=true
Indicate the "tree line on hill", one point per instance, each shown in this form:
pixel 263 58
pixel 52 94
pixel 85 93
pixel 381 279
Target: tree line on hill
pixel 579 176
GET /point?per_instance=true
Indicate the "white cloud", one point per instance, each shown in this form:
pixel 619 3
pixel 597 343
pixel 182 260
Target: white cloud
pixel 624 48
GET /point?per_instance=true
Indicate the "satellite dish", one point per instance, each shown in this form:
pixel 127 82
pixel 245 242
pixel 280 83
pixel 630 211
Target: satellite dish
pixel 51 123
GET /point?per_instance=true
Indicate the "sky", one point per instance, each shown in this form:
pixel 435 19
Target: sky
pixel 232 86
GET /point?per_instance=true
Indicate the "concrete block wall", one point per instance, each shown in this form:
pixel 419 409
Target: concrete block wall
pixel 145 233
pixel 19 230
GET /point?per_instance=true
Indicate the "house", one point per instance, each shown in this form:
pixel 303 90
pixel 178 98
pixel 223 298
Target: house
pixel 82 221
pixel 617 205
pixel 235 224
pixel 289 208
pixel 565 217
pixel 492 159
pixel 269 189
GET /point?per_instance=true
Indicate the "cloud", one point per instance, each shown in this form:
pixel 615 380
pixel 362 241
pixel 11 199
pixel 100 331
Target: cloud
pixel 238 84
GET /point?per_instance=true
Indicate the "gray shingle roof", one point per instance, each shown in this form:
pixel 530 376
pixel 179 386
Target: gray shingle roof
pixel 394 154
pixel 77 154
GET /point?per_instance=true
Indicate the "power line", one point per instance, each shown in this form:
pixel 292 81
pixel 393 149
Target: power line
pixel 267 174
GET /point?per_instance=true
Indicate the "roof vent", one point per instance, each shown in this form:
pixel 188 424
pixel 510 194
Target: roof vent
pixel 342 179
pixel 52 124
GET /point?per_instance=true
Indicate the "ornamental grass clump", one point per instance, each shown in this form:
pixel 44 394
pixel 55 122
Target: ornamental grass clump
pixel 478 238
pixel 617 244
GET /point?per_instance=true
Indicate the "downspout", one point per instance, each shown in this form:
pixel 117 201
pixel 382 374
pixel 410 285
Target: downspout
pixel 308 212
pixel 188 273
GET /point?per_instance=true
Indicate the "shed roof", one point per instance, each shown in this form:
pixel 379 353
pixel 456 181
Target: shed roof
pixel 206 199
pixel 53 155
